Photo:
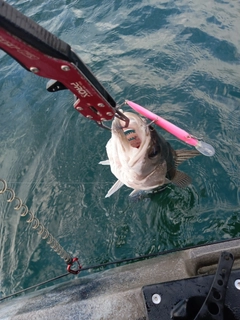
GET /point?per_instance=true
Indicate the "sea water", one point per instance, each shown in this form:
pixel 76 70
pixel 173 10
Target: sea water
pixel 181 60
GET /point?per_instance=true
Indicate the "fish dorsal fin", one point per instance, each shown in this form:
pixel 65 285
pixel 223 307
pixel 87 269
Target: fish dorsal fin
pixel 185 154
pixel 181 179
pixel 105 163
pixel 117 185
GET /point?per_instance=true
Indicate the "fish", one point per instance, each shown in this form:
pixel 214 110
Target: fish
pixel 140 158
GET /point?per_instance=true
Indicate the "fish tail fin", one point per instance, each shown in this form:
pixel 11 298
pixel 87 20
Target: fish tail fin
pixel 185 154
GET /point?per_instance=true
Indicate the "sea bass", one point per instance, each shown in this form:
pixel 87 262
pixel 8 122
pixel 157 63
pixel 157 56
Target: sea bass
pixel 142 159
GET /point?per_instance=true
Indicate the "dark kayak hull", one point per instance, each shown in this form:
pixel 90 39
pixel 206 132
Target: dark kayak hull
pixel 116 293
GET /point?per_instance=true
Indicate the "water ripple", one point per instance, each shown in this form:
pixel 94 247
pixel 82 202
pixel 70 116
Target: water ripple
pixel 180 59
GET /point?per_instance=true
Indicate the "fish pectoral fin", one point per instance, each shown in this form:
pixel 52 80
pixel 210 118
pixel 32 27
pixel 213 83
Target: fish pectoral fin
pixel 117 185
pixel 135 193
pixel 181 179
pixel 167 181
pixel 105 163
pixel 185 154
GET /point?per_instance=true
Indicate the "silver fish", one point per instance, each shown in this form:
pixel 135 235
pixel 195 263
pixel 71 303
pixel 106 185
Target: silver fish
pixel 142 159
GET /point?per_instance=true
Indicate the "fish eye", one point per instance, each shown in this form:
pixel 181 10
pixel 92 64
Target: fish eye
pixel 153 153
pixel 151 128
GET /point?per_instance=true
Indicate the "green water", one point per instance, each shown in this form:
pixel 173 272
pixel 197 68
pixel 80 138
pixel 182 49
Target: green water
pixel 181 60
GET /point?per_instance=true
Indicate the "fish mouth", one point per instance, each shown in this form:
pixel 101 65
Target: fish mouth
pixel 132 137
pixel 135 134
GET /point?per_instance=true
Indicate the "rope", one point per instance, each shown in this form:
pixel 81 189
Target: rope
pixel 93 267
pixel 106 264
pixel 35 286
pixel 36 225
pixel 65 255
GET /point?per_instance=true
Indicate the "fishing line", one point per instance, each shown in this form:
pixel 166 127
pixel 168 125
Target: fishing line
pixel 65 255
pixel 64 182
pixel 118 262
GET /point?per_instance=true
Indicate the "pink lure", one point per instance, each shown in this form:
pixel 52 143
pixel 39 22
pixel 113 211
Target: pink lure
pixel 181 134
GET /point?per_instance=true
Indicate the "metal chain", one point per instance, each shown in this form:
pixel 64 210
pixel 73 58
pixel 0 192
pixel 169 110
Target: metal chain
pixel 36 225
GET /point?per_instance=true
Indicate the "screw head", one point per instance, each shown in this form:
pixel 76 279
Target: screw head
pixel 34 69
pixel 156 298
pixel 65 68
pixel 237 284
